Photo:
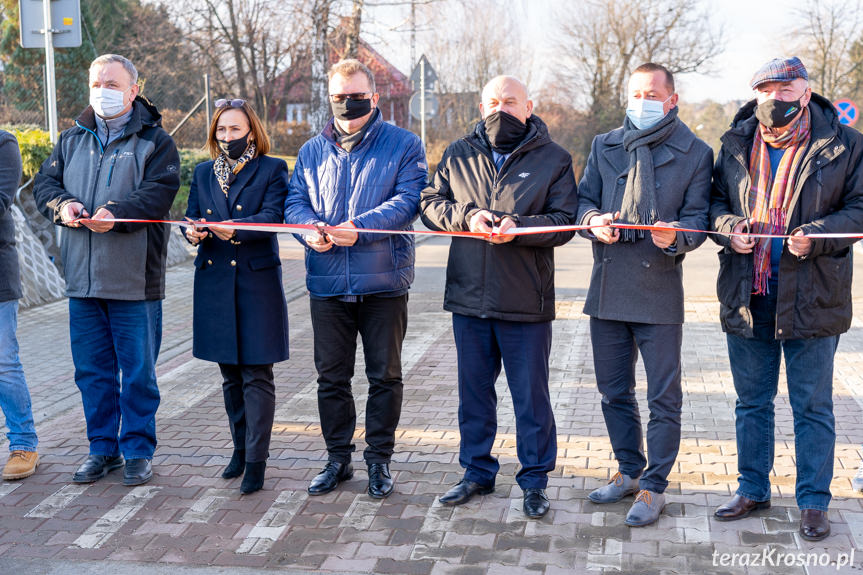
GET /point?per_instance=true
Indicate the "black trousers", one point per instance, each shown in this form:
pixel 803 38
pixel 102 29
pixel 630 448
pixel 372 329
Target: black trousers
pixel 382 323
pixel 250 401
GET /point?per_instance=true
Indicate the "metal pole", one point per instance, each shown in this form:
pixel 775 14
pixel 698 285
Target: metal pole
pixel 189 115
pixel 209 105
pixel 49 71
pixel 423 102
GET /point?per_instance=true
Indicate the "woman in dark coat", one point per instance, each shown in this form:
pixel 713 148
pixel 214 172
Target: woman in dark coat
pixel 240 314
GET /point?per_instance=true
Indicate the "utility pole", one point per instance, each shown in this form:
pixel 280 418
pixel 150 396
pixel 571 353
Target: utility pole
pixel 49 70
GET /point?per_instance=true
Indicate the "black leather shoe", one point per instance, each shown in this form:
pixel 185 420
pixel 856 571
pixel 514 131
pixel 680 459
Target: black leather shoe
pixel 814 525
pixel 738 507
pixel 535 503
pixel 463 491
pixel 380 480
pixel 96 467
pixel 330 476
pixel 236 466
pixel 254 478
pixel 137 472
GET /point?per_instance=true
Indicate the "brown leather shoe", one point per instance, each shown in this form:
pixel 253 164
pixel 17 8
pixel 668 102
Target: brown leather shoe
pixel 738 508
pixel 814 525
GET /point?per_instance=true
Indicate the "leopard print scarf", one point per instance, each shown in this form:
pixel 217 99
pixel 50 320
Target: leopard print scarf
pixel 225 174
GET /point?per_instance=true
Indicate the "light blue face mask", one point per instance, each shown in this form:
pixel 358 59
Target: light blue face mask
pixel 644 113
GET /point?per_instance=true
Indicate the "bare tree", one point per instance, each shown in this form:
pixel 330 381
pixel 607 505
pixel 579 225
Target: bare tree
pixel 319 109
pixel 467 50
pixel 352 40
pixel 246 43
pixel 829 41
pixel 605 40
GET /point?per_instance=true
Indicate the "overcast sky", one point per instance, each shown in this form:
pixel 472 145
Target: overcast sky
pixel 755 32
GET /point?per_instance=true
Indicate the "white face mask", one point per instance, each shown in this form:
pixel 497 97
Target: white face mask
pixel 106 102
pixel 644 113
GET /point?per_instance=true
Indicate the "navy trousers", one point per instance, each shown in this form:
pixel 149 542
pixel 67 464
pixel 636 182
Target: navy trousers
pixel 615 351
pixel 482 344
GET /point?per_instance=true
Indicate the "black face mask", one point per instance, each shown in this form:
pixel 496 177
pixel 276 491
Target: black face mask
pixel 235 148
pixel 351 109
pixel 505 132
pixel 776 113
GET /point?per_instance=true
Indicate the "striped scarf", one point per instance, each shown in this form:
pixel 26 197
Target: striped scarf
pixel 769 197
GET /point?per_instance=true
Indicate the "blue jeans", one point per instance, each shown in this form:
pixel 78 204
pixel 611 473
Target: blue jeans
pixel 809 371
pixel 110 337
pixel 14 395
pixel 523 347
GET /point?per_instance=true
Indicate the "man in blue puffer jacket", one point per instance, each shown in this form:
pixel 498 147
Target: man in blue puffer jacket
pixel 359 172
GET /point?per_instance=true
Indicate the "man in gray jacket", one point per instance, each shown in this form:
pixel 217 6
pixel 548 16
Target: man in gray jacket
pixel 14 395
pixel 116 162
pixel 651 171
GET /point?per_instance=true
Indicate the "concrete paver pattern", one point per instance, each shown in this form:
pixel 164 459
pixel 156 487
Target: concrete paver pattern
pixel 188 519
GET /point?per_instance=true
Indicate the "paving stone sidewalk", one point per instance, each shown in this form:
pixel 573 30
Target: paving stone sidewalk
pixel 188 519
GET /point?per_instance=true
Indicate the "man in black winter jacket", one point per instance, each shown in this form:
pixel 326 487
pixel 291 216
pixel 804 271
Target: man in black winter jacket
pixel 506 174
pixel 786 167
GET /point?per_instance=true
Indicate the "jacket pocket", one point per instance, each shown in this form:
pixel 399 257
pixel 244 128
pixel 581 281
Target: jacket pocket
pixel 264 262
pixel 830 279
pixel 545 276
pixel 732 276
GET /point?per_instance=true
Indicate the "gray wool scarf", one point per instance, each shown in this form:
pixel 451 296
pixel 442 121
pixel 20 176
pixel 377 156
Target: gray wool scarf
pixel 637 204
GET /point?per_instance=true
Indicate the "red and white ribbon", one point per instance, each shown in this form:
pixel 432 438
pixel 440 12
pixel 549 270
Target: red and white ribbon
pixel 308 228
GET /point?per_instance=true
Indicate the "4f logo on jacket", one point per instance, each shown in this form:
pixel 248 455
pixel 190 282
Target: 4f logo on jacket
pixel 523 175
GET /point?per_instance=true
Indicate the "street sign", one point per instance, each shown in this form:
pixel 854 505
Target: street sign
pixel 430 75
pixel 431 105
pixel 65 23
pixel 847 110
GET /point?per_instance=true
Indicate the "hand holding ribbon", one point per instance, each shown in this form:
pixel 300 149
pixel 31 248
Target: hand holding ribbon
pixel 101 222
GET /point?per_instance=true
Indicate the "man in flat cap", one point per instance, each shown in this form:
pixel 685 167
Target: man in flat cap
pixel 787 167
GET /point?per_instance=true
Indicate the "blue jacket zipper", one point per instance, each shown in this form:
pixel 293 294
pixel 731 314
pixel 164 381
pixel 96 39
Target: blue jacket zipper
pixel 111 168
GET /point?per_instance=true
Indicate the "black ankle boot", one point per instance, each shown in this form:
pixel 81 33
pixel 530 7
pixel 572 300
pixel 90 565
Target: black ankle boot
pixel 254 478
pixel 236 466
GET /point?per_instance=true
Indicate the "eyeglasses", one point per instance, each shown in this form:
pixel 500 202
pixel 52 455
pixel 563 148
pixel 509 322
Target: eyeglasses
pixel 223 102
pixel 339 98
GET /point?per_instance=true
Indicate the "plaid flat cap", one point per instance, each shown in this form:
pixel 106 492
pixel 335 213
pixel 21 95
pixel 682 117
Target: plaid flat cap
pixel 779 70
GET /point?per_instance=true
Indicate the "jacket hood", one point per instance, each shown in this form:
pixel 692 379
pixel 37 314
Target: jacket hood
pixel 537 134
pixel 144 114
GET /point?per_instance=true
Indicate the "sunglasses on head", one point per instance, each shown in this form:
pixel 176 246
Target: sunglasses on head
pixel 223 103
pixel 339 98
